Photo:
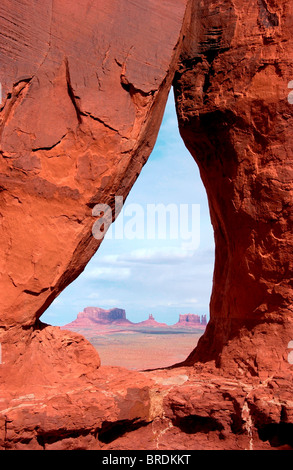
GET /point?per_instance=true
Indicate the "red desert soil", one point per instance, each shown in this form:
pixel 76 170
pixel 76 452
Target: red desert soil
pixel 140 351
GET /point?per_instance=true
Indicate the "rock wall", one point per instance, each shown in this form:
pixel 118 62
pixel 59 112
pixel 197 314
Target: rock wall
pixel 80 114
pixel 111 315
pixel 191 318
pixel 231 92
pixel 84 89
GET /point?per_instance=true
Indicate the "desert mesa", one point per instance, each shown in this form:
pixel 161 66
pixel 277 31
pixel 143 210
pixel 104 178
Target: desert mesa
pixel 95 318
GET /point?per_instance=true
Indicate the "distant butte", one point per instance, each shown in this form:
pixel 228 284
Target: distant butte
pixel 152 322
pixel 192 320
pixel 95 317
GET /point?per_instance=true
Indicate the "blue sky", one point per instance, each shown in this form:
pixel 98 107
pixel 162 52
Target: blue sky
pixel 163 277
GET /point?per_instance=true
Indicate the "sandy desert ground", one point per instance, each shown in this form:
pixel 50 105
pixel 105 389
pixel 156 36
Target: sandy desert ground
pixel 145 349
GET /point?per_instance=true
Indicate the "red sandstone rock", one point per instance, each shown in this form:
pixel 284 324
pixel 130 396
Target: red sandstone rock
pixel 93 317
pixel 84 93
pixel 235 118
pixel 151 321
pixel 45 357
pixel 179 409
pixel 97 320
pixel 84 90
pixel 190 320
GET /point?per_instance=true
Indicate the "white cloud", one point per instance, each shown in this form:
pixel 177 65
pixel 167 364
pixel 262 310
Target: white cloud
pixel 157 255
pixel 103 301
pixel 108 273
pixel 160 255
pixel 183 304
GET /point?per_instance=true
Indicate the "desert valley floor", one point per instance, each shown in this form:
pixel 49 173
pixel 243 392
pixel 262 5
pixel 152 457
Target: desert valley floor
pixel 145 349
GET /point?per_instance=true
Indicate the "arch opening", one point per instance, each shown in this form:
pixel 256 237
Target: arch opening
pixel 152 274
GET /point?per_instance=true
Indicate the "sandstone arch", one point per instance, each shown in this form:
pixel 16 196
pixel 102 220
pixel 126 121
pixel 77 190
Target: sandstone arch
pixel 84 88
pixel 80 114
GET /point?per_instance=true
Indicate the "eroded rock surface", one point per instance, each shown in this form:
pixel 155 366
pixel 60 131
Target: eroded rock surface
pixel 181 409
pixel 235 117
pixel 84 88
